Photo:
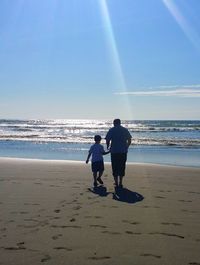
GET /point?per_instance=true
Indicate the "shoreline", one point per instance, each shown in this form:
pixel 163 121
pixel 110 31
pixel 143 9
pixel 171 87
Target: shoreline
pixel 82 162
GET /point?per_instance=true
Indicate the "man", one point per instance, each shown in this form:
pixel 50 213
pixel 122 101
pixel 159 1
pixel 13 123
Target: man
pixel 118 139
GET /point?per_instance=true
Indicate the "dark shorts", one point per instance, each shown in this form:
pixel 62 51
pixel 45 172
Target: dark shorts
pixel 97 166
pixel 118 161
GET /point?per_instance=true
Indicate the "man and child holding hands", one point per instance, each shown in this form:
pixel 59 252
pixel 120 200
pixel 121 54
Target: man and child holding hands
pixel 118 140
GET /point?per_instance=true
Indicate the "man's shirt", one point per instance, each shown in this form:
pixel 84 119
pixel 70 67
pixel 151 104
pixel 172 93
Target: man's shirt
pixel 119 137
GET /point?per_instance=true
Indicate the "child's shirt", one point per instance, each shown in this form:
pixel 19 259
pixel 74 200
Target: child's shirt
pixel 97 151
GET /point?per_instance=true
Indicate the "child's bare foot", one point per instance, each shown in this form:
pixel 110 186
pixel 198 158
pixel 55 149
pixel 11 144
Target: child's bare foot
pixel 100 180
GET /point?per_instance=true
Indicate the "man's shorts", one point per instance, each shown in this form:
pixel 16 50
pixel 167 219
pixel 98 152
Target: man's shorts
pixel 118 163
pixel 97 166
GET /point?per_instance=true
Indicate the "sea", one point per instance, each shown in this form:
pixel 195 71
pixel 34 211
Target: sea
pixel 171 142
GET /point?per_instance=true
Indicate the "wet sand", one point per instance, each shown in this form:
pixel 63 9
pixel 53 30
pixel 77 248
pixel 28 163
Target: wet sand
pixel 50 214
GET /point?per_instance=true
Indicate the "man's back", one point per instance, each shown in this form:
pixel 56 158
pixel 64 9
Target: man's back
pixel 119 137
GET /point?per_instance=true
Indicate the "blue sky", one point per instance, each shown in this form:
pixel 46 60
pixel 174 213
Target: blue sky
pixel 133 59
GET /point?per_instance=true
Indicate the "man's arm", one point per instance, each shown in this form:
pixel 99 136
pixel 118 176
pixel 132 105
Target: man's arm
pixel 108 139
pixel 129 142
pixel 108 143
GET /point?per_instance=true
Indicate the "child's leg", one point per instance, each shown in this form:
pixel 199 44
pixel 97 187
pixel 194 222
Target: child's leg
pixel 95 178
pixel 99 177
pixel 100 174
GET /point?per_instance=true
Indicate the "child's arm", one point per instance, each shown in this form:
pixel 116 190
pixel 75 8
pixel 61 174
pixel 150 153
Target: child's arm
pixel 88 157
pixel 105 153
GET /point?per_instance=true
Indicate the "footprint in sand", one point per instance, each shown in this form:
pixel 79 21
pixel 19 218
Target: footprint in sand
pixel 131 223
pixel 66 226
pixel 133 233
pixel 41 210
pixel 97 217
pixel 160 197
pixel 194 192
pixel 46 258
pixel 63 248
pixel 167 234
pixel 77 208
pixel 150 255
pixel 20 246
pixel 63 201
pixel 164 191
pixel 188 211
pixel 111 233
pixel 56 236
pixel 99 258
pixel 27 203
pixel 23 212
pixel 175 224
pixel 100 226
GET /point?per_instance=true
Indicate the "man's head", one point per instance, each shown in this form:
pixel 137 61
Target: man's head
pixel 117 122
pixel 97 138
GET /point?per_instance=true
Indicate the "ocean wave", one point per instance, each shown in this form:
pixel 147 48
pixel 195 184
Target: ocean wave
pixel 84 128
pixel 89 140
pixel 166 133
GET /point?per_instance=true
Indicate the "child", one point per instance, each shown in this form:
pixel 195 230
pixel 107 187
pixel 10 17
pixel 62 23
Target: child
pixel 97 152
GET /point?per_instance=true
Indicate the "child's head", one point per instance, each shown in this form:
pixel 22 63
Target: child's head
pixel 97 138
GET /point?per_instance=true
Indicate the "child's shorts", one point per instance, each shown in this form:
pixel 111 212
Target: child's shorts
pixel 97 166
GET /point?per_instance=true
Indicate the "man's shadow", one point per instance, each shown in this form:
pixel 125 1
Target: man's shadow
pixel 120 194
pixel 126 195
pixel 99 190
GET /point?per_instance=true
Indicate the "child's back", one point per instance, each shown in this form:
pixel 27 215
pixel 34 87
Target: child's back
pixel 97 151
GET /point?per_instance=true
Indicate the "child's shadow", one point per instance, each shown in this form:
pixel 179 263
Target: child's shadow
pixel 126 195
pixel 100 190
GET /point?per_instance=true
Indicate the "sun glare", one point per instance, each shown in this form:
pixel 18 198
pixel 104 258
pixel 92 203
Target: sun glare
pixel 188 30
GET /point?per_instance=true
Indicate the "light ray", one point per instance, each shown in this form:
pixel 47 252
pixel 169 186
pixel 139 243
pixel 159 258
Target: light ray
pixel 188 30
pixel 114 53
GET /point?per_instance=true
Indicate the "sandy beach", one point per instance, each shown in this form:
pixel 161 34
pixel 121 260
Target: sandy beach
pixel 51 214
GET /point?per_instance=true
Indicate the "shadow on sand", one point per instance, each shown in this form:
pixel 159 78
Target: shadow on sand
pixel 100 190
pixel 120 194
pixel 126 195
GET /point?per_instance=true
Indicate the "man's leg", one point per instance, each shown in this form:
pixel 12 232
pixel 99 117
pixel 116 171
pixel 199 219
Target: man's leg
pixel 122 167
pixel 114 163
pixel 120 181
pixel 116 180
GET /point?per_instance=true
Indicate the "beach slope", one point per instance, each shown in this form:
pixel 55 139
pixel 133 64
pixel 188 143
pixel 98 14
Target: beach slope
pixel 51 214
